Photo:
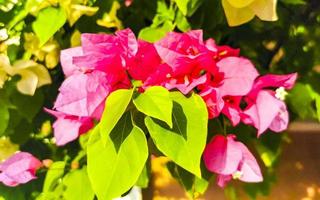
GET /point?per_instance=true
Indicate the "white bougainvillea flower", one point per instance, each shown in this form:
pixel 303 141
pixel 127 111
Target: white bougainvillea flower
pixel 33 75
pixel 241 11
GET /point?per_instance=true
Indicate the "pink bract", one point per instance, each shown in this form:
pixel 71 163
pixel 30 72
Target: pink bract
pixel 19 169
pixel 264 110
pixel 84 94
pixel 231 159
pixel 67 128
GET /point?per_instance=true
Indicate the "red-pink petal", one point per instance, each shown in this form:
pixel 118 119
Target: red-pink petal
pixel 273 80
pixel 222 155
pixel 213 100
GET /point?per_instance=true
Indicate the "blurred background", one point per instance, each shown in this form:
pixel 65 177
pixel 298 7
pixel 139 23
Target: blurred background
pixel 36 30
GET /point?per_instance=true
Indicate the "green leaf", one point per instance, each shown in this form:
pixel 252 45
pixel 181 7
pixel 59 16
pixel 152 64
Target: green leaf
pixel 192 184
pixel 115 167
pixel 318 105
pixel 182 22
pixel 4 117
pixel 183 6
pixel 153 34
pixel 48 22
pixel 55 172
pixel 188 7
pixel 116 104
pixel 155 102
pixel 185 142
pixel 143 180
pixel 11 193
pixel 78 185
pixel 301 99
pixel 28 106
pixel 294 2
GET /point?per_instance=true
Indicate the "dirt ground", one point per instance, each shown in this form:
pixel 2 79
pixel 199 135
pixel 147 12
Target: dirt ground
pixel 298 174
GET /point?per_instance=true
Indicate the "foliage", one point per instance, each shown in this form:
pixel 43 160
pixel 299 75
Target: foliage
pixel 36 30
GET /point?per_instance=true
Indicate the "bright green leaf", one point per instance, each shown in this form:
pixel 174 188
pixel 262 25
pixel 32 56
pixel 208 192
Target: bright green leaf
pixel 48 22
pixel 78 185
pixel 183 6
pixel 185 142
pixel 143 180
pixel 116 104
pixel 182 22
pixel 153 34
pixel 155 102
pixel 55 172
pixel 115 167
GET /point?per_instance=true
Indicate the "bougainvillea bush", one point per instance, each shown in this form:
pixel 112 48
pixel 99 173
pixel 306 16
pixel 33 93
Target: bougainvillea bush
pixel 93 91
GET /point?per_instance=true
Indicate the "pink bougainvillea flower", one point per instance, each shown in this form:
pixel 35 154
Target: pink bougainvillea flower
pixel 265 107
pixel 221 51
pixel 183 51
pixel 232 108
pixel 67 128
pixel 238 76
pixel 234 78
pixel 105 52
pixel 84 94
pixel 145 62
pixel 19 169
pixel 231 159
pixel 213 100
pixel 187 84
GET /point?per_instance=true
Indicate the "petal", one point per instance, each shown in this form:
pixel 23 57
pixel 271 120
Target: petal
pixel 249 167
pixel 222 155
pixel 145 62
pixel 42 74
pixel 103 43
pixel 213 100
pixel 265 110
pixel 232 110
pixel 68 129
pixel 265 9
pixel 28 82
pixel 66 59
pixel 186 88
pixel 128 41
pixel 273 80
pixel 181 51
pixel 239 76
pixel 237 16
pixel 19 168
pixel 8 181
pixel 82 94
pixel 240 3
pixel 280 122
pixel 222 180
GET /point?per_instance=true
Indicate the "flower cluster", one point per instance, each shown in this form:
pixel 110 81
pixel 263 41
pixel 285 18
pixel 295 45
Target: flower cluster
pixel 228 83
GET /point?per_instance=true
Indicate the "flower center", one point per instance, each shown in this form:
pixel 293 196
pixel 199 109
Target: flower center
pixel 237 175
pixel 281 93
